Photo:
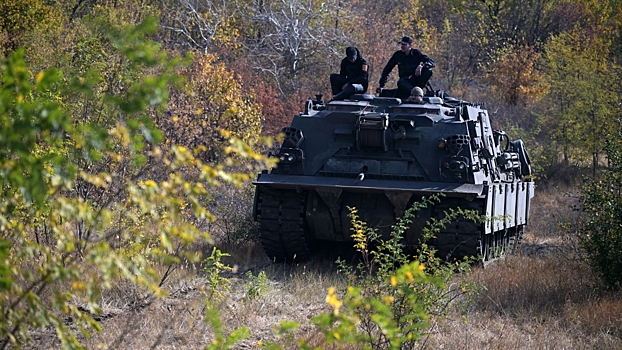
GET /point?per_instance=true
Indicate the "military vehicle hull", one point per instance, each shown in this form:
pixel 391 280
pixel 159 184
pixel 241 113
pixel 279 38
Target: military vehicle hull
pixel 381 155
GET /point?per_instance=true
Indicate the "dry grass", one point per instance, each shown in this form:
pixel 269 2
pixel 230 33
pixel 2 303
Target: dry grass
pixel 536 302
pixel 293 293
pixel 544 297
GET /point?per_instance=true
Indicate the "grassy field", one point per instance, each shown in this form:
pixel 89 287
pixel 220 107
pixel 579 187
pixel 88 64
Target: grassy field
pixel 542 297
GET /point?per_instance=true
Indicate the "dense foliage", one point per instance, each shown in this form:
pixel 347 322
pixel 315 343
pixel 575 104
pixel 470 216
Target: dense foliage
pixel 602 229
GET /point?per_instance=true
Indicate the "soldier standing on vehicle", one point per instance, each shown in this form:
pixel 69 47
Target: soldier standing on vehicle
pixel 414 68
pixel 353 76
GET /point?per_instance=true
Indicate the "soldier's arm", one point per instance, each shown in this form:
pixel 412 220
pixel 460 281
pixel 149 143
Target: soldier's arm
pixel 387 70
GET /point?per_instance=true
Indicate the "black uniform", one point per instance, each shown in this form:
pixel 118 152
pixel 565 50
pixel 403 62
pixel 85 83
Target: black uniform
pixel 406 65
pixel 355 74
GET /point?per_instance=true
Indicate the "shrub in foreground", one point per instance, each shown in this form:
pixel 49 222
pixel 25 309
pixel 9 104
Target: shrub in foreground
pixel 392 298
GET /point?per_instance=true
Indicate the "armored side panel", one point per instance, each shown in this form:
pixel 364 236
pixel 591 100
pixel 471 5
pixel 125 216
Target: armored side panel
pixel 381 155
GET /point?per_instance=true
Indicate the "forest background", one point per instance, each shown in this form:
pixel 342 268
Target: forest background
pixel 121 148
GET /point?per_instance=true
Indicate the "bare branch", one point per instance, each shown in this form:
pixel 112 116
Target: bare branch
pixel 199 21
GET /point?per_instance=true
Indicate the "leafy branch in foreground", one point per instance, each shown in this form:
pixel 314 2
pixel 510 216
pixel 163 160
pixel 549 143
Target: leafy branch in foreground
pixel 87 202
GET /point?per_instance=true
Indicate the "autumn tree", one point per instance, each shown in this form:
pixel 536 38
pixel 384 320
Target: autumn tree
pixel 584 94
pixel 477 36
pixel 515 79
pixel 18 17
pixel 215 101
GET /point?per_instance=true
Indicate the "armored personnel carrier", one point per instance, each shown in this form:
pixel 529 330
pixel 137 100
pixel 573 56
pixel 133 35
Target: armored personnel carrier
pixel 380 154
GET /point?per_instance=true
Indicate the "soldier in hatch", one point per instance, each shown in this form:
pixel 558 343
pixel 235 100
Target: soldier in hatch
pixel 352 78
pixel 416 95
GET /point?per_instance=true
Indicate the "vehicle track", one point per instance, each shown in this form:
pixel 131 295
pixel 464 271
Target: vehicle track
pixel 282 223
pixel 284 237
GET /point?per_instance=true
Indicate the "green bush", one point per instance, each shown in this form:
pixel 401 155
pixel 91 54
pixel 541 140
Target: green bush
pixel 256 285
pixel 213 268
pixel 402 293
pixel 601 231
pixel 392 298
